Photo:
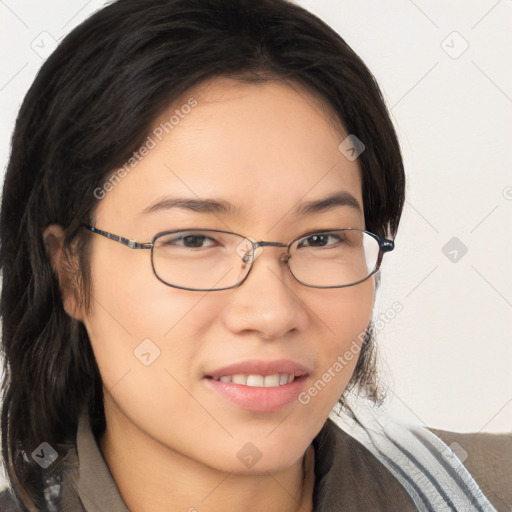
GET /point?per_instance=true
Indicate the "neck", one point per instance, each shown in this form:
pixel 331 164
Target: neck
pixel 151 477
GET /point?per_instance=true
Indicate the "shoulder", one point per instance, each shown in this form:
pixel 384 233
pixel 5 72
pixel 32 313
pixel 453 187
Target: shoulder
pixel 488 458
pixel 8 502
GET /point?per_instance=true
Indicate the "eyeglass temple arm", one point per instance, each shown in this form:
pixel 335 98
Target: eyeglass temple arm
pixel 131 244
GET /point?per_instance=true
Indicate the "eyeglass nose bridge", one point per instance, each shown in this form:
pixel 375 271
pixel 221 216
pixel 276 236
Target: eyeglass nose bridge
pixel 269 244
pixel 284 257
pixel 250 258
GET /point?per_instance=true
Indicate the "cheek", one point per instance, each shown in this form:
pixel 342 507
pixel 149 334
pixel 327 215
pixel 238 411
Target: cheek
pixel 348 309
pixel 345 318
pixel 138 323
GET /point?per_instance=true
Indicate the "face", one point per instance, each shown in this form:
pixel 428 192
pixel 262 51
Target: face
pixel 266 149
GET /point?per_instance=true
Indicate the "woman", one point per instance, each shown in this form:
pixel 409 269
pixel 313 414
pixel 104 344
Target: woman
pixel 199 198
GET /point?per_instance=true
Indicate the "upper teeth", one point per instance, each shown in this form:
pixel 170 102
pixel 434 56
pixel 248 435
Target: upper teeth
pixel 267 381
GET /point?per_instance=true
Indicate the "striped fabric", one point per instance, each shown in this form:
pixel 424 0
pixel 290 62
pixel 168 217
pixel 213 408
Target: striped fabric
pixel 427 468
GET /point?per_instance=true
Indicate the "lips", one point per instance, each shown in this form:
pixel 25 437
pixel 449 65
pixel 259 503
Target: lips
pixel 260 386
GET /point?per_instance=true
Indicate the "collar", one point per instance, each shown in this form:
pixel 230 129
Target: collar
pixel 96 486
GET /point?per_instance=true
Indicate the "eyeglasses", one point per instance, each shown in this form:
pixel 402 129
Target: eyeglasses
pixel 209 259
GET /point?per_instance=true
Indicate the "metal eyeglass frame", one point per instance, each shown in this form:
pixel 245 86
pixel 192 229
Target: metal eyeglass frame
pixel 385 245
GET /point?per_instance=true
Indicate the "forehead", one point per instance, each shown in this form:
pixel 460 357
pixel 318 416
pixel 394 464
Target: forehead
pixel 262 147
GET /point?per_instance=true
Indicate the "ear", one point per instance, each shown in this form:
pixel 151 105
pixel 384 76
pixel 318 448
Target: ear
pixel 65 269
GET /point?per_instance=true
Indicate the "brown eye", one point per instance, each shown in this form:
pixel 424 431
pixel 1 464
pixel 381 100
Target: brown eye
pixel 188 241
pixel 320 240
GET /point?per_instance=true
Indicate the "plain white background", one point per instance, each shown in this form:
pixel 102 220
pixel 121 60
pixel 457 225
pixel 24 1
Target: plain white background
pixel 444 68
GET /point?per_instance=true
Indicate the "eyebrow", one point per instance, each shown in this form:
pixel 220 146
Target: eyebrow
pixel 223 207
pixel 195 205
pixel 328 203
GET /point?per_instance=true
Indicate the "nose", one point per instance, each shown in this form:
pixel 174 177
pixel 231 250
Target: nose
pixel 267 303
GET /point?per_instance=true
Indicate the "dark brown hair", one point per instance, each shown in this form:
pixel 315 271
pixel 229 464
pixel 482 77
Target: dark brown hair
pixel 90 107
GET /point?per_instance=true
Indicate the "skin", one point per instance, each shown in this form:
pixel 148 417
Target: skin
pixel 170 439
